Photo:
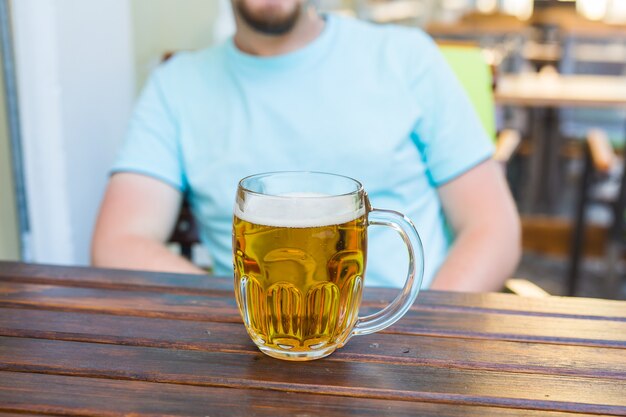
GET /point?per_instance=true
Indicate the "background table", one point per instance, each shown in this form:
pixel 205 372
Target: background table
pixel 555 90
pixel 84 341
pixel 544 94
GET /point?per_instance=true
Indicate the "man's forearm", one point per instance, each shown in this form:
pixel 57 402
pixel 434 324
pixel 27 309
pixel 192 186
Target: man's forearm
pixel 480 260
pixel 131 252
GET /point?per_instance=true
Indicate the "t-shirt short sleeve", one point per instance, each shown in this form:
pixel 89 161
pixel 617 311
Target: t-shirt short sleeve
pixel 449 133
pixel 151 146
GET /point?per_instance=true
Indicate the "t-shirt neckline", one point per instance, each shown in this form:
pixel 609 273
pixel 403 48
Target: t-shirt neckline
pixel 308 54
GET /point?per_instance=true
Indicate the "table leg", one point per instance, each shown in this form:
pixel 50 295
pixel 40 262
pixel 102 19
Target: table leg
pixel 533 186
pixel 543 187
pixel 617 234
pixel 551 170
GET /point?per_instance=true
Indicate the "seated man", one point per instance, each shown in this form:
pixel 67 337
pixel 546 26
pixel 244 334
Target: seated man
pixel 296 90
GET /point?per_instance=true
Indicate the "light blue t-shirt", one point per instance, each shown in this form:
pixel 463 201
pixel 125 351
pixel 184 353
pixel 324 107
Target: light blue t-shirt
pixel 375 103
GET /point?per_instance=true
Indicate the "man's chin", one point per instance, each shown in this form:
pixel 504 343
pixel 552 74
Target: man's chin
pixel 270 19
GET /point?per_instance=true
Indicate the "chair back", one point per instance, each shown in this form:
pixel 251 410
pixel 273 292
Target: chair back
pixel 185 233
pixel 474 73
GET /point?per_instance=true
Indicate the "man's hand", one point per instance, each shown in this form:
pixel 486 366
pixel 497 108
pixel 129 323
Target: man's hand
pixel 136 217
pixel 487 242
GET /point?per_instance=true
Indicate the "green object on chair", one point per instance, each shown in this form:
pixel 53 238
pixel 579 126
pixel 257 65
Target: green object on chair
pixel 474 73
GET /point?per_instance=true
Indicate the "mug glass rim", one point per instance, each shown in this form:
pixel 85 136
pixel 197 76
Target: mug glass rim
pixel 359 187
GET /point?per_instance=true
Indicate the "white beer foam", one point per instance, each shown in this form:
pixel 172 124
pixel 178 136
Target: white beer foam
pixel 299 210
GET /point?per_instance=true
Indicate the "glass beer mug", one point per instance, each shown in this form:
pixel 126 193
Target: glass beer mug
pixel 299 253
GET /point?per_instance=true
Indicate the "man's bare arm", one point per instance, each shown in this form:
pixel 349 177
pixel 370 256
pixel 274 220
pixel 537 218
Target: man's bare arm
pixel 137 216
pixel 487 245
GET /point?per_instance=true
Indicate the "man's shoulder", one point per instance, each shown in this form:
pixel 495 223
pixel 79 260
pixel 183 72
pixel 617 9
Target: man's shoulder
pixel 397 48
pixel 184 65
pixel 386 34
pixel 394 49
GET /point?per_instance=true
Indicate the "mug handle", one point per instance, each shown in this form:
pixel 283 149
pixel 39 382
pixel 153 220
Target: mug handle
pixel 394 311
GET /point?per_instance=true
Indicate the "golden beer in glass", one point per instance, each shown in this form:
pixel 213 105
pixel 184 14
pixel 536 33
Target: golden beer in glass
pixel 299 254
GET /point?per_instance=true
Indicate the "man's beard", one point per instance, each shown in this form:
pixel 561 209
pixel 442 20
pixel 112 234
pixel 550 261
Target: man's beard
pixel 267 23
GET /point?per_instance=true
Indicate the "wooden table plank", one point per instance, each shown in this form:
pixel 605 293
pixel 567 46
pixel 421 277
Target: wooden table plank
pixel 417 321
pixel 220 286
pixel 550 306
pixel 513 327
pixel 390 348
pixel 113 279
pixel 328 377
pixel 135 303
pixel 87 396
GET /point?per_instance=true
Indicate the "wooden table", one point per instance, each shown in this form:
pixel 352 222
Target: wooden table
pixel 479 25
pixel 554 90
pixel 543 94
pixel 81 341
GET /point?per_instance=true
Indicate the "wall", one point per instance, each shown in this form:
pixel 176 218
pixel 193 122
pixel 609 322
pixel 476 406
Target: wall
pixel 9 244
pixel 169 25
pixel 76 86
pixel 80 64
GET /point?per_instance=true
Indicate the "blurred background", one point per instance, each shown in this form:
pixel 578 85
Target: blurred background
pixel 71 70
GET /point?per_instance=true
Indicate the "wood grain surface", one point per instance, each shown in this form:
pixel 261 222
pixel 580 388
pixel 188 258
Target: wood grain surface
pixel 221 287
pixel 73 339
pixel 230 337
pixel 52 394
pixel 458 321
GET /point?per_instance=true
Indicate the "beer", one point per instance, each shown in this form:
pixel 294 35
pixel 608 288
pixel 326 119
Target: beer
pixel 299 278
pixel 299 249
